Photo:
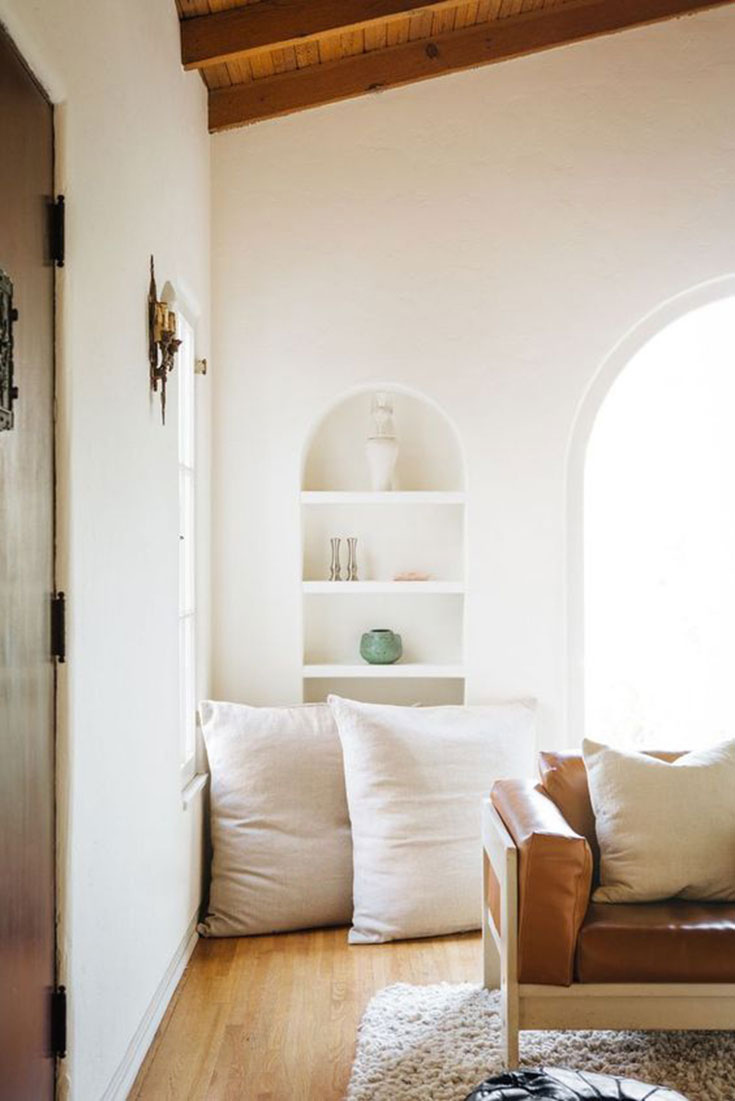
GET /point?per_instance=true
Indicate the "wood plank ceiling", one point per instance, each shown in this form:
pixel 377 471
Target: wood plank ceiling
pixel 264 58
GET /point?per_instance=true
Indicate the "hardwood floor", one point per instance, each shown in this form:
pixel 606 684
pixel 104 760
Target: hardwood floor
pixel 275 1018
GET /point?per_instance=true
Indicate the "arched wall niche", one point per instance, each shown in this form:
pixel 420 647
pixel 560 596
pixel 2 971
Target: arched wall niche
pixel 430 457
pixel 653 323
pixel 418 527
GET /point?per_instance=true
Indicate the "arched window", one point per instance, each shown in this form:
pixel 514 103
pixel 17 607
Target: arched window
pixel 659 541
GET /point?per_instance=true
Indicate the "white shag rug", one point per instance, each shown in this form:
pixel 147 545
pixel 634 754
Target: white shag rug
pixel 437 1043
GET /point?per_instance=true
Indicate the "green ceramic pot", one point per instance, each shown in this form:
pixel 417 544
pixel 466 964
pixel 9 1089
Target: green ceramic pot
pixel 381 646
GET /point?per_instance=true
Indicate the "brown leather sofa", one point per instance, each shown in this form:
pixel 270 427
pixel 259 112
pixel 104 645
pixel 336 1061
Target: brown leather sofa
pixel 562 961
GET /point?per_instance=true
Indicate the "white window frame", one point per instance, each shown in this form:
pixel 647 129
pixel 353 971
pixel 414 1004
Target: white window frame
pixel 187 533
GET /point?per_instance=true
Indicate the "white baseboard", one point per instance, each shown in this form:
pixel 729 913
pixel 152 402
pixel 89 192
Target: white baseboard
pixel 123 1078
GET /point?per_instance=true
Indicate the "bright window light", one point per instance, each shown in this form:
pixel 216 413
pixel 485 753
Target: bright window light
pixel 660 542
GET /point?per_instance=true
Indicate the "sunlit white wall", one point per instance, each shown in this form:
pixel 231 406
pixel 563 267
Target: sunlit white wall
pixel 660 541
pixel 488 240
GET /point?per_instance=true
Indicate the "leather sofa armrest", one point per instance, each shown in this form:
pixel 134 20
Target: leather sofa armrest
pixel 554 881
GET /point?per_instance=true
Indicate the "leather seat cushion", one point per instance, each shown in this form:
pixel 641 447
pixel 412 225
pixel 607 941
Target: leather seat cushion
pixel 671 941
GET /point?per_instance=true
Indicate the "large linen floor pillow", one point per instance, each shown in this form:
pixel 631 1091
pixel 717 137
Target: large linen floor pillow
pixel 666 830
pixel 282 850
pixel 416 778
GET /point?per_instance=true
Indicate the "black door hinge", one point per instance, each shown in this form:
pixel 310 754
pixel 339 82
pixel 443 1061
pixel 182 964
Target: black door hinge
pixel 58 627
pixel 58 231
pixel 58 1022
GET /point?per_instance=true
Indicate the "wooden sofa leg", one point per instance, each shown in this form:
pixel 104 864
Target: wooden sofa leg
pixel 510 1037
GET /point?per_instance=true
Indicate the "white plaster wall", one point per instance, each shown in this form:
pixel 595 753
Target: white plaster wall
pixel 487 238
pixel 133 160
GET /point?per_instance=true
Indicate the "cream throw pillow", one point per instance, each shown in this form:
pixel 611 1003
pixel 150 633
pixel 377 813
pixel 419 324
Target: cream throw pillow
pixel 665 830
pixel 416 777
pixel 282 851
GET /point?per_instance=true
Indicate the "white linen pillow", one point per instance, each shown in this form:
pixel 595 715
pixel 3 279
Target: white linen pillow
pixel 282 851
pixel 416 778
pixel 666 830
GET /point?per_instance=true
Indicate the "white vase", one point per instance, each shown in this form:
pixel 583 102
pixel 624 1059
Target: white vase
pixel 381 452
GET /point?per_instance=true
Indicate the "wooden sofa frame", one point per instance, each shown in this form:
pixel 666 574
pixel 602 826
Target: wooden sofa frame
pixel 626 1006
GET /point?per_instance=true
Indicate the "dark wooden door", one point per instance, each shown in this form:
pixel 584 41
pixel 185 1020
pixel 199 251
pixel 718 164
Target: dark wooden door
pixel 27 949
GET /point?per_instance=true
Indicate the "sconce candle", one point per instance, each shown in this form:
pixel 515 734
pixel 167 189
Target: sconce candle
pixel 159 323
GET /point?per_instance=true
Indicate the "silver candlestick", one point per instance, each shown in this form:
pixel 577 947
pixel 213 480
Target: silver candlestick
pixel 351 560
pixel 335 570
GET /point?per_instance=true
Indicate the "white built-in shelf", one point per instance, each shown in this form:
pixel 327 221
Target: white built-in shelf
pixel 371 588
pixel 400 669
pixel 421 529
pixel 395 497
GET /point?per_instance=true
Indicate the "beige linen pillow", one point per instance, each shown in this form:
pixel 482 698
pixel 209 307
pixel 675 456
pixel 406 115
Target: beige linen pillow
pixel 416 777
pixel 666 830
pixel 282 849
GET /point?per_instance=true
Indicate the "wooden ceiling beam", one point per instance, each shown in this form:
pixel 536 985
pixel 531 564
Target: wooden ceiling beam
pixel 272 24
pixel 483 44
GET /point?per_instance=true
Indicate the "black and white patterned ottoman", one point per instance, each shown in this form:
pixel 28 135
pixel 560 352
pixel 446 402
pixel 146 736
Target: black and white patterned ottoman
pixel 553 1084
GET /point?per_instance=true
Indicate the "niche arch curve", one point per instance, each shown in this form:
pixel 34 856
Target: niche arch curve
pixel 431 453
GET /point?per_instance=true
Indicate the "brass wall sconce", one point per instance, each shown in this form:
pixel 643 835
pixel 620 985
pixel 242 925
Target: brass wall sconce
pixel 162 341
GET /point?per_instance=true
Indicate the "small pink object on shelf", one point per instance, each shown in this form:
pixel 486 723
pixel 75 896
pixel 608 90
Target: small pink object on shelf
pixel 412 575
